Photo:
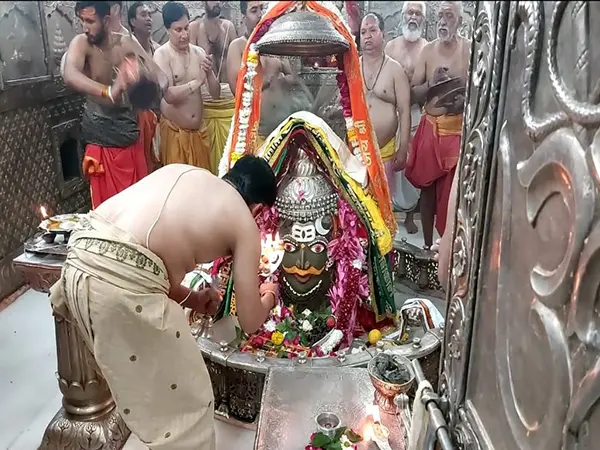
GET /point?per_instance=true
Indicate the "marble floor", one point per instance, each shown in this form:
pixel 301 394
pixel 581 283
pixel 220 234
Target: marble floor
pixel 28 388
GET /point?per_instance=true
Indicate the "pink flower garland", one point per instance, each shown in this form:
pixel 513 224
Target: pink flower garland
pixel 267 221
pixel 351 284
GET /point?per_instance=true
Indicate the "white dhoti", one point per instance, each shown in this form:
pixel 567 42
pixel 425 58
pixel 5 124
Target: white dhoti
pixel 404 195
pixel 116 291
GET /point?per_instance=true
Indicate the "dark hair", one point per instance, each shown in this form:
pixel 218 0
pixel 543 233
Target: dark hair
pixel 254 180
pixel 132 13
pixel 172 12
pixel 102 8
pixel 380 21
pixel 243 7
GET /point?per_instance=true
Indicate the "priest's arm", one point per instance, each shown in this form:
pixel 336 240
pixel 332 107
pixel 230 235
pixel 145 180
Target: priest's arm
pixel 252 309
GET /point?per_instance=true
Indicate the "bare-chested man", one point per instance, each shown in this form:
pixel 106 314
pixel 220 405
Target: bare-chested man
pixel 214 34
pixel 121 284
pixel 277 73
pixel 388 98
pixel 114 156
pixel 183 136
pixel 405 49
pixel 140 23
pixel 436 144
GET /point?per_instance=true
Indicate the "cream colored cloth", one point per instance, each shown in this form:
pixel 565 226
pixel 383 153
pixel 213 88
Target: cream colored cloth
pixel 116 291
pixel 420 420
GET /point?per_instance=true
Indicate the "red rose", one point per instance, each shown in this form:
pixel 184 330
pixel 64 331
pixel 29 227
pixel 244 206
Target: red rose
pixel 330 322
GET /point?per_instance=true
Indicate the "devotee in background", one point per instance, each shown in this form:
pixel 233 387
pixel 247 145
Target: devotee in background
pixel 114 155
pixel 115 18
pixel 388 98
pixel 436 144
pixel 183 136
pixel 129 309
pixel 405 49
pixel 278 81
pixel 214 34
pixel 140 23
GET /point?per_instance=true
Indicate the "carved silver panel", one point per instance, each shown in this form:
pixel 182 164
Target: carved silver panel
pixel 62 26
pixel 22 42
pixel 522 367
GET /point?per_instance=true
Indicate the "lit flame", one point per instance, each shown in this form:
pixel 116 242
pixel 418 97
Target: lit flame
pixel 43 212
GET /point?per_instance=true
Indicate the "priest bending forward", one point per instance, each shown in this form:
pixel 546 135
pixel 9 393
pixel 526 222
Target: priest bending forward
pixel 121 283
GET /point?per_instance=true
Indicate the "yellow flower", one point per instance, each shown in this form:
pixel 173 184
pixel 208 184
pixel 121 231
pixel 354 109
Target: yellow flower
pixel 277 338
pixel 235 157
pixel 253 57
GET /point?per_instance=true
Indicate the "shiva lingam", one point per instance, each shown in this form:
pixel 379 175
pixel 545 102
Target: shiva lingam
pixel 306 203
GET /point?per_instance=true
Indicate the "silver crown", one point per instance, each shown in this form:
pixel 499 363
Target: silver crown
pixel 306 194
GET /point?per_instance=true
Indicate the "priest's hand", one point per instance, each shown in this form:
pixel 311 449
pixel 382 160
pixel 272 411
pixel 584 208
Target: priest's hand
pixel 268 294
pixel 206 301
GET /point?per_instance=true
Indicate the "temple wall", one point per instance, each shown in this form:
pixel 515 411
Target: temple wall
pixel 40 155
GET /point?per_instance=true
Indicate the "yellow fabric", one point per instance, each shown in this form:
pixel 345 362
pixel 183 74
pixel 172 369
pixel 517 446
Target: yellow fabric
pixel 388 151
pixel 376 220
pixel 446 125
pixel 116 292
pixel 217 117
pixel 178 145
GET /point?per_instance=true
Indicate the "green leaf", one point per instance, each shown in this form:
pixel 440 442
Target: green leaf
pixel 303 340
pixel 281 326
pixel 335 446
pixel 338 433
pixel 291 335
pixel 320 440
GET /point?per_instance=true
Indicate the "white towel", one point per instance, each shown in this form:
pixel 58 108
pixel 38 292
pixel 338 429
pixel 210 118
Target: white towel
pixel 437 320
pixel 420 419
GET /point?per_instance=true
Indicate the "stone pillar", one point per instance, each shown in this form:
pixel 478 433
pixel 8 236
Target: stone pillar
pixel 88 419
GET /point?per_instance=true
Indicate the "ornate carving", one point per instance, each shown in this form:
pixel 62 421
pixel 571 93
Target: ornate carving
pixel 487 51
pixel 64 433
pixel 537 287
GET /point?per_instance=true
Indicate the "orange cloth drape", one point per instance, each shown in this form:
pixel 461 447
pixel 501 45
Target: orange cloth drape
pixel 147 122
pixel 181 146
pixel 433 158
pixel 362 133
pixel 113 169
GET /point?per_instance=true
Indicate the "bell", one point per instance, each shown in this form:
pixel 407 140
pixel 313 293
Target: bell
pixel 302 33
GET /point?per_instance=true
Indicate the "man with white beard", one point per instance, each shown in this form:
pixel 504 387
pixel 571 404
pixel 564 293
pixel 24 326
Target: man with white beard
pixel 438 83
pixel 405 49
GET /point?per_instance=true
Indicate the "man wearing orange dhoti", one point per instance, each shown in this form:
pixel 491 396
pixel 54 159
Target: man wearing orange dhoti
pixel 183 135
pixel 114 156
pixel 438 82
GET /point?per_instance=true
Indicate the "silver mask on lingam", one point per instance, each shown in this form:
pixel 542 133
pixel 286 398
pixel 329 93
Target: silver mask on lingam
pixel 306 203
